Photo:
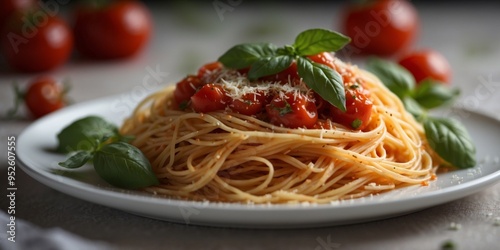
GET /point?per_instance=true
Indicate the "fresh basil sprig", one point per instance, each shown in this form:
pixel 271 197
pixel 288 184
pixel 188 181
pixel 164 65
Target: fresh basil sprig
pixel 414 108
pixel 314 41
pixel 451 141
pixel 432 94
pixel 395 77
pixel 77 159
pixel 85 134
pixel 265 59
pixel 93 139
pixel 124 165
pixel 243 55
pixel 446 136
pixel 269 65
pixel 330 86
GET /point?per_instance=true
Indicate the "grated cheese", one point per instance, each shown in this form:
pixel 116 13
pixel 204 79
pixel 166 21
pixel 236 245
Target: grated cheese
pixel 237 85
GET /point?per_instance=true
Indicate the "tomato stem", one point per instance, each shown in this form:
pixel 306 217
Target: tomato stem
pixel 282 110
pixel 66 87
pixel 18 99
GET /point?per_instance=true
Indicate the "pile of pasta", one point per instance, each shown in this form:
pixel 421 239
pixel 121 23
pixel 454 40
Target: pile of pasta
pixel 228 157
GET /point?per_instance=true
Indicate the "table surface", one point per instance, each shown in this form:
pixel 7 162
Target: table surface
pixel 187 35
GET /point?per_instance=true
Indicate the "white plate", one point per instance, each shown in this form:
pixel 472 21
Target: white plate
pixel 35 151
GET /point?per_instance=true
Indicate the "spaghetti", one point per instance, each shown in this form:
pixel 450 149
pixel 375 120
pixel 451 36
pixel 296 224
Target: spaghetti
pixel 231 157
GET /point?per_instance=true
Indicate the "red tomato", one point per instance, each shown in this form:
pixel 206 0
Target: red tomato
pixel 36 41
pixel 292 111
pixel 44 96
pixel 321 105
pixel 323 124
pixel 116 30
pixel 8 7
pixel 323 58
pixel 383 28
pixel 249 104
pixel 358 109
pixel 244 71
pixel 186 88
pixel 427 64
pixel 210 97
pixel 209 68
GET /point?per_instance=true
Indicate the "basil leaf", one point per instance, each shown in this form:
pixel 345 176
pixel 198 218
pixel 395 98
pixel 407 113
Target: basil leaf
pixel 431 94
pixel 324 81
pixel 314 41
pixel 77 159
pixel 268 66
pixel 123 165
pixel 414 108
pixel 85 134
pixel 399 80
pixel 356 123
pixel 451 141
pixel 243 55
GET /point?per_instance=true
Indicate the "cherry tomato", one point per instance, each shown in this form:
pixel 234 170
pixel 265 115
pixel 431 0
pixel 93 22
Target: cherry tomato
pixel 116 30
pixel 323 58
pixel 35 41
pixel 244 71
pixel 358 108
pixel 7 7
pixel 209 68
pixel 210 97
pixel 323 124
pixel 292 111
pixel 249 104
pixel 186 88
pixel 427 64
pixel 321 105
pixel 44 96
pixel 380 27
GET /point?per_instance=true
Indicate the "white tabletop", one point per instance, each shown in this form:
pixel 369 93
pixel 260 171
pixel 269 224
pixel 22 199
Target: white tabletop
pixel 188 35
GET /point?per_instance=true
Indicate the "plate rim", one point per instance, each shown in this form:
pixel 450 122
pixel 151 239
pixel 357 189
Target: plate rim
pixel 453 192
